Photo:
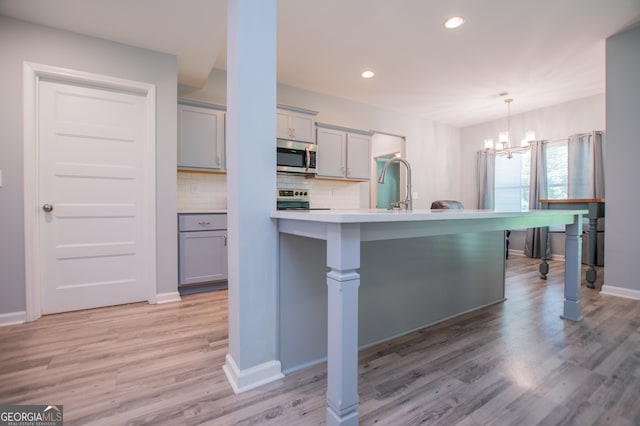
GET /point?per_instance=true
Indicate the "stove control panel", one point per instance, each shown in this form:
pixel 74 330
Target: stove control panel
pixel 293 194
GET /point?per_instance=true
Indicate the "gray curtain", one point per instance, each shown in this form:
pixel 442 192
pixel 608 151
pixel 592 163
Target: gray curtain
pixel 537 192
pixel 585 166
pixel 486 180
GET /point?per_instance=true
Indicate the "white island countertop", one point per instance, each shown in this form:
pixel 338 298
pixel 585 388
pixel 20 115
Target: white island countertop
pixel 383 215
pixel 378 224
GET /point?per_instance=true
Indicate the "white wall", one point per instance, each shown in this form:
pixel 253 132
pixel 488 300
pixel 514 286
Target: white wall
pixel 622 236
pixel 433 149
pixel 19 42
pixel 554 122
pixel 551 123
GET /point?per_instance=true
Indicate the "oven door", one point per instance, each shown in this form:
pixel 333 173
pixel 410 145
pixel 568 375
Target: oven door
pixel 296 157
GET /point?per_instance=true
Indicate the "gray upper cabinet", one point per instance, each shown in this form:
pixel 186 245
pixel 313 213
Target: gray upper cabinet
pixel 343 154
pixel 332 153
pixel 295 124
pixel 201 144
pixel 358 156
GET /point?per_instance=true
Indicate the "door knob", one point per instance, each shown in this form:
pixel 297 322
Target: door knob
pixel 47 208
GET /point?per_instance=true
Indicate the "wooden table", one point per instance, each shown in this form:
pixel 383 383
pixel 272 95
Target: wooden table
pixel 595 206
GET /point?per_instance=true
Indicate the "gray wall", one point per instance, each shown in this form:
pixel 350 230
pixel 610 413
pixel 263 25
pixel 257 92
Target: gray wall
pixel 621 162
pixel 20 42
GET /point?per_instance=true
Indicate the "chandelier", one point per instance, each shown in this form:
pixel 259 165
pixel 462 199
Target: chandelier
pixel 504 137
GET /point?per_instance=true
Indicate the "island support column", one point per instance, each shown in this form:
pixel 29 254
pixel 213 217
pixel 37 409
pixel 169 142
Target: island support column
pixel 572 270
pixel 343 257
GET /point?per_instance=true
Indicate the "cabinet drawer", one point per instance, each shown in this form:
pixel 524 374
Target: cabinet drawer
pixel 201 222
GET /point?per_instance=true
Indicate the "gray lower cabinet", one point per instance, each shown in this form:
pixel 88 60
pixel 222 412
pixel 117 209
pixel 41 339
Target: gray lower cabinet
pixel 202 250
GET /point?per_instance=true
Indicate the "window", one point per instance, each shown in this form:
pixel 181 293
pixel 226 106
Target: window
pixel 512 177
pixel 512 182
pixel 557 161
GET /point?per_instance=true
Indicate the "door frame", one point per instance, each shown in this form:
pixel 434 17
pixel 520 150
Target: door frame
pixel 33 73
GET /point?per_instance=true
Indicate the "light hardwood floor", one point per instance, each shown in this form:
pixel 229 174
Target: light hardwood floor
pixel 515 363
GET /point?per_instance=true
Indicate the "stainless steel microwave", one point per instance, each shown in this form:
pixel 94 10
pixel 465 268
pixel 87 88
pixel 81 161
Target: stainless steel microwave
pixel 296 157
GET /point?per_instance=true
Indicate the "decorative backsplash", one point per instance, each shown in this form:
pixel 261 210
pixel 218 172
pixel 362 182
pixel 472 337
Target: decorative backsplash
pixel 332 194
pixel 205 191
pixel 201 191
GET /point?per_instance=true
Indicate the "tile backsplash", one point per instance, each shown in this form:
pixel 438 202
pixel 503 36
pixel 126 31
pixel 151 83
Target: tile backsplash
pixel 333 194
pixel 202 191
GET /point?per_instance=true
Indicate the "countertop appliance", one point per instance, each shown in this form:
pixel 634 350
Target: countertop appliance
pixel 296 157
pixel 294 199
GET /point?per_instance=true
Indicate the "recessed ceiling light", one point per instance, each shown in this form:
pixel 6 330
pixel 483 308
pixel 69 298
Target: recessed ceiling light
pixel 367 74
pixel 454 22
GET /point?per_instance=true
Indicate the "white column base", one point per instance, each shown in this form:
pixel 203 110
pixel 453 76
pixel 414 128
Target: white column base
pixel 251 378
pixel 170 297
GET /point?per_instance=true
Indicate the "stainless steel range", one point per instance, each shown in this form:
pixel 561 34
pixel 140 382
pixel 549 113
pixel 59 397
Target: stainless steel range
pixel 294 199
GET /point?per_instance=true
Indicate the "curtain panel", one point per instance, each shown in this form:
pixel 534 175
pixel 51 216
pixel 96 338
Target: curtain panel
pixel 537 192
pixel 585 166
pixel 486 179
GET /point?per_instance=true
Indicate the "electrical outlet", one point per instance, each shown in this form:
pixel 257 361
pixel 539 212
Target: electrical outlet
pixel 0 178
pixel 194 187
pixel 414 195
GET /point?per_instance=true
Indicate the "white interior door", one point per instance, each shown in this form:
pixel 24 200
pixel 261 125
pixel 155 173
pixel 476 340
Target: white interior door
pixel 91 190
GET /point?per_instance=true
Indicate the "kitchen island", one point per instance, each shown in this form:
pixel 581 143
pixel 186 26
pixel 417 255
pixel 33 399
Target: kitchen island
pixel 357 241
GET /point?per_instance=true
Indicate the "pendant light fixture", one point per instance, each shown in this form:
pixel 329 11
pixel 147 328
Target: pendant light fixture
pixel 504 137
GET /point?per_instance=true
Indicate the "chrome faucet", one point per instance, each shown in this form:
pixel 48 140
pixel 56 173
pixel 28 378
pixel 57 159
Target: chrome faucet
pixel 407 202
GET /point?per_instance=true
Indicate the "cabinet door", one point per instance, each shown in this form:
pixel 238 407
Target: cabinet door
pixel 358 160
pixel 304 126
pixel 296 126
pixel 283 124
pixel 203 256
pixel 200 138
pixel 332 146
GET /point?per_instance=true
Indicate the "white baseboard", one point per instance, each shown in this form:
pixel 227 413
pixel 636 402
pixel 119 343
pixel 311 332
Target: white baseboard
pixel 621 292
pixel 250 378
pixel 173 296
pixel 12 318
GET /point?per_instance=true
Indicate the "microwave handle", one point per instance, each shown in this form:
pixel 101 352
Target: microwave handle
pixel 307 159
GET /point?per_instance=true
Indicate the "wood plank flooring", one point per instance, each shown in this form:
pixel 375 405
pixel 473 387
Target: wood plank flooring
pixel 515 363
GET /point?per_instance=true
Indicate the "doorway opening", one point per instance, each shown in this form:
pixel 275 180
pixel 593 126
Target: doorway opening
pixel 384 147
pixel 389 191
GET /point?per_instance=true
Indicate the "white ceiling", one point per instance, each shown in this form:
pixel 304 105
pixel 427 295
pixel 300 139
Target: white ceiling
pixel 542 52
